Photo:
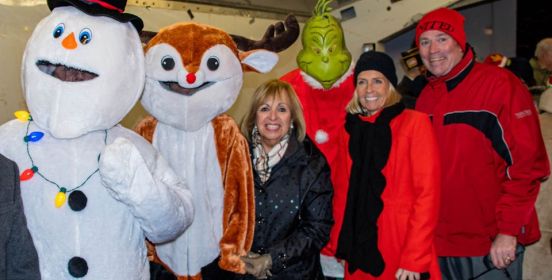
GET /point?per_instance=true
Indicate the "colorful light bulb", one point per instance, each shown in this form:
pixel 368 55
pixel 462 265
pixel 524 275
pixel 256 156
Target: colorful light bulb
pixel 61 197
pixel 28 173
pixel 35 136
pixel 23 116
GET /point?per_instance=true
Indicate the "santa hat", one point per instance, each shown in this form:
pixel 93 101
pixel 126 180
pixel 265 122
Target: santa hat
pixel 445 20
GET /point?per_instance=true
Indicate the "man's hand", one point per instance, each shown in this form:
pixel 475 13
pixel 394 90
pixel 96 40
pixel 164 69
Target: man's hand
pixel 403 274
pixel 503 250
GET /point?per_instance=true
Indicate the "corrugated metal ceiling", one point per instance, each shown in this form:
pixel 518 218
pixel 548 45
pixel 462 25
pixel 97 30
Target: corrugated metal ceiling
pixel 276 9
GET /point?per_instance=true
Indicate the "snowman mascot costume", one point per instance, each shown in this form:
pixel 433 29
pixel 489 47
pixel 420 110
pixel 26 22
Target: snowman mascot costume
pixel 92 190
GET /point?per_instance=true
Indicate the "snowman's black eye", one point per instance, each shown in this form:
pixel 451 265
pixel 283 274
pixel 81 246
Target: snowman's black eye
pixel 58 30
pixel 167 63
pixel 85 36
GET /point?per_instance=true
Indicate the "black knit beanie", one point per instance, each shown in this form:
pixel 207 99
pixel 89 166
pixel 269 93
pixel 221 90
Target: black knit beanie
pixel 373 60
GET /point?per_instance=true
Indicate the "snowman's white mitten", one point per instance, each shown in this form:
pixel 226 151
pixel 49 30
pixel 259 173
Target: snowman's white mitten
pixel 157 197
pixel 118 164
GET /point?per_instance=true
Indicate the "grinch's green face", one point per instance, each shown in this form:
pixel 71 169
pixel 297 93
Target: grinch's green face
pixel 324 55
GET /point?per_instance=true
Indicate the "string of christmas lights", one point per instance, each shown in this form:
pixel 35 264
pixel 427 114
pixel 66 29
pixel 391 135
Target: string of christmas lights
pixel 29 173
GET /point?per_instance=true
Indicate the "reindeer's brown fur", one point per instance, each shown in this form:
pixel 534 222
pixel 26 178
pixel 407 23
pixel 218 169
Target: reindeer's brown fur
pixel 239 206
pixel 191 40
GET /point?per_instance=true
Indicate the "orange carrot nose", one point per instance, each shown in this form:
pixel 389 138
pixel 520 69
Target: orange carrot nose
pixel 69 42
pixel 191 78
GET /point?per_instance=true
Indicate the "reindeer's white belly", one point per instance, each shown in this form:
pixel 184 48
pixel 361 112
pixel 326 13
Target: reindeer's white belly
pixel 193 156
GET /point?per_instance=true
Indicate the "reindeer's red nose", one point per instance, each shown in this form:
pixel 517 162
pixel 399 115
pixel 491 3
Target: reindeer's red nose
pixel 191 78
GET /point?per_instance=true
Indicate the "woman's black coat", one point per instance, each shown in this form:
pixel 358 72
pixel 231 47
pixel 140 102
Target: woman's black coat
pixel 294 213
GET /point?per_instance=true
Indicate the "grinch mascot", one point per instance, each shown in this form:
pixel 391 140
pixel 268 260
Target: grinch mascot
pixel 324 85
pixel 92 190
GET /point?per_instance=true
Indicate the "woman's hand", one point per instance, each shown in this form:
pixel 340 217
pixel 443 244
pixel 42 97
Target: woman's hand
pixel 403 274
pixel 258 265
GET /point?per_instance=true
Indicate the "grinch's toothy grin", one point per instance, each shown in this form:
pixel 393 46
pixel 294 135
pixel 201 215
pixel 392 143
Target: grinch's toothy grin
pixel 65 73
pixel 175 87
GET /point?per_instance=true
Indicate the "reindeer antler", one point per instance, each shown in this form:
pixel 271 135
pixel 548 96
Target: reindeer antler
pixel 278 37
pixel 145 36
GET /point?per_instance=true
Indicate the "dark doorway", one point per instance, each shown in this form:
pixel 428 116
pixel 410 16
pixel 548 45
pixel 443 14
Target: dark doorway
pixel 534 22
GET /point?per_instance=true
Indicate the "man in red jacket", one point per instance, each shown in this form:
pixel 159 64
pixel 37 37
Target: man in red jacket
pixel 492 154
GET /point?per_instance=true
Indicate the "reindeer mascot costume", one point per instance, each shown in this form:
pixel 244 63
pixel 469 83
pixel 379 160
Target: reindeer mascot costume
pixel 194 73
pixel 92 190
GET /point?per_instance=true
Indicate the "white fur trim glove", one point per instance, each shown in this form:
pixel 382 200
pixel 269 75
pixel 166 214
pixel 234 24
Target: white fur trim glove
pixel 144 182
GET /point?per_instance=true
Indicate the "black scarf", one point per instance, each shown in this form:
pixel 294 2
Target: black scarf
pixel 369 146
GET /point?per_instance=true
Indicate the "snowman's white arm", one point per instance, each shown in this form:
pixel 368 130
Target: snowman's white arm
pixel 156 196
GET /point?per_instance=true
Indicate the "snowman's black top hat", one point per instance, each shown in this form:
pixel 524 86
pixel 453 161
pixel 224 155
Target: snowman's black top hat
pixel 109 8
